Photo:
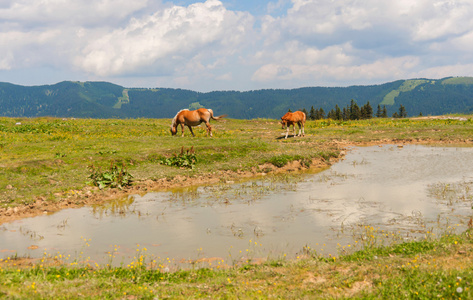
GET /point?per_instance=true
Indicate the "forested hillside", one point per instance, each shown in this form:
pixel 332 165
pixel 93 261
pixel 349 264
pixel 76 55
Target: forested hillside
pixel 107 100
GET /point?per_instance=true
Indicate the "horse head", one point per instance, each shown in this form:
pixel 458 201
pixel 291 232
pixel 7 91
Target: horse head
pixel 283 123
pixel 173 130
pixel 174 124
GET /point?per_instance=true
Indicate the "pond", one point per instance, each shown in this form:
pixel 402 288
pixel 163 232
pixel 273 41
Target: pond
pixel 397 192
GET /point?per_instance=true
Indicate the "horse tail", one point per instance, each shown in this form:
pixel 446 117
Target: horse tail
pixel 212 115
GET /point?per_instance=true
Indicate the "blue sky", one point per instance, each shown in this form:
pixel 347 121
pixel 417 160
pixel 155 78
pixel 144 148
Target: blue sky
pixel 254 7
pixel 234 44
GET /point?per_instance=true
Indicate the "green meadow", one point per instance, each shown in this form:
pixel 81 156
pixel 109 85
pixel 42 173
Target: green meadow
pixel 52 159
pixel 47 158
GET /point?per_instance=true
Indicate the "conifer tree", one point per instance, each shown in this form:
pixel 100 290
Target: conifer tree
pixel 402 112
pixel 379 112
pixel 321 114
pixel 366 111
pixel 338 113
pixel 312 113
pixel 354 111
pixel 345 114
pixel 331 114
pixel 385 112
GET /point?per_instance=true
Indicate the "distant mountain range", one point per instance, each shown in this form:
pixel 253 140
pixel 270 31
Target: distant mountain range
pixel 107 100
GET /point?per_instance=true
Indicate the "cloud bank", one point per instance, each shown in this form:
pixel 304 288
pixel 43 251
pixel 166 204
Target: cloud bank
pixel 215 45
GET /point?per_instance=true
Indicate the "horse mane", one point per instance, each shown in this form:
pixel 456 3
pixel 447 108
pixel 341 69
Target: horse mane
pixel 175 117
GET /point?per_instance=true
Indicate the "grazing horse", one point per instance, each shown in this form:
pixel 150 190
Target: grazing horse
pixel 193 118
pixel 294 118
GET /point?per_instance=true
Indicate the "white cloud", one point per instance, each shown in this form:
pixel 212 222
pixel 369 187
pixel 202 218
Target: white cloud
pixel 422 20
pixel 346 40
pixel 207 46
pixel 444 18
pixel 463 43
pixel 24 49
pixel 5 62
pixel 382 69
pixel 175 35
pixel 297 53
pixel 445 71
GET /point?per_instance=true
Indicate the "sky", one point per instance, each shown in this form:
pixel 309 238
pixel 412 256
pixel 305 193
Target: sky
pixel 234 44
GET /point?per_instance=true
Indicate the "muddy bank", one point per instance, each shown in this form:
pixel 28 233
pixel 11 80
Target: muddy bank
pixel 93 195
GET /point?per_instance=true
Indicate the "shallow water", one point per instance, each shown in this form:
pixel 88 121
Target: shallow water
pixel 410 191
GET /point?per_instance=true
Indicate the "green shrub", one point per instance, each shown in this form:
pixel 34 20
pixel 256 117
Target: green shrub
pixel 181 160
pixel 115 177
pixel 280 160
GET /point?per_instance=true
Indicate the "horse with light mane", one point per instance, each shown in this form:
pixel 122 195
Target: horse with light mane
pixel 294 118
pixel 191 118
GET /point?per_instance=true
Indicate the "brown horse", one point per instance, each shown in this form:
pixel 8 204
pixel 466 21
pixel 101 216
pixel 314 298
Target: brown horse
pixel 294 118
pixel 191 118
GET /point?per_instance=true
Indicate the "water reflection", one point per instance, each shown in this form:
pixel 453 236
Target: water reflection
pixel 407 190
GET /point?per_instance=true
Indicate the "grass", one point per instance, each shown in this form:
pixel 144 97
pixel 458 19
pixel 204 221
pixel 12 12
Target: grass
pixel 426 269
pixel 47 158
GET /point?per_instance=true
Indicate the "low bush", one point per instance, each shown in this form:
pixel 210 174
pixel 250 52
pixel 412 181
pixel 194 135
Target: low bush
pixel 115 177
pixel 181 160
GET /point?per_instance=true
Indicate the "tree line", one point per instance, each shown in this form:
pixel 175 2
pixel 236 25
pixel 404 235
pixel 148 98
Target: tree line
pixel 353 112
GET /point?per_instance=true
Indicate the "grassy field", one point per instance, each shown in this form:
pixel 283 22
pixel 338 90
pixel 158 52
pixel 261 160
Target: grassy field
pixel 47 158
pixel 46 161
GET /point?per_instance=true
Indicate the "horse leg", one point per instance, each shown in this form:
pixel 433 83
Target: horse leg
pixel 303 133
pixel 182 129
pixel 209 128
pixel 299 124
pixel 287 131
pixel 190 128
